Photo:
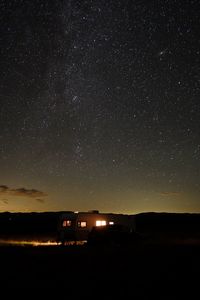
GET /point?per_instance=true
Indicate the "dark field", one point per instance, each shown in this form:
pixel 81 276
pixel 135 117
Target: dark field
pixel 163 263
pixel 140 271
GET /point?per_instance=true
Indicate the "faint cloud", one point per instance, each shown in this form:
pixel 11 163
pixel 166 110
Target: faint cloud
pixel 22 192
pixel 40 200
pixel 27 193
pixel 3 188
pixel 168 194
pixel 5 201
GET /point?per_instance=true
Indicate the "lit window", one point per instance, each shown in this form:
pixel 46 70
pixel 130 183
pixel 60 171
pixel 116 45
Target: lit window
pixel 67 223
pixel 111 223
pixel 100 223
pixel 82 224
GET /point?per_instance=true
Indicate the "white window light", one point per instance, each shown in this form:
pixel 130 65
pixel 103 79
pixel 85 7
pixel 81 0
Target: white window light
pixel 111 223
pixel 82 224
pixel 100 223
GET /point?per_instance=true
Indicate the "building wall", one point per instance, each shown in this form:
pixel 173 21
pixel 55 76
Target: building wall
pixel 79 233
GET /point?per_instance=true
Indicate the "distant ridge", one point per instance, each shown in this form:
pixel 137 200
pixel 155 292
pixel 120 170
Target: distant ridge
pixel 45 224
pixel 168 222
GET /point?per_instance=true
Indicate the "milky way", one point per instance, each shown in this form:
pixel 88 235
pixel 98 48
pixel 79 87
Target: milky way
pixel 100 104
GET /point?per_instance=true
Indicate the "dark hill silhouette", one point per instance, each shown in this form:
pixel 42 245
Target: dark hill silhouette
pixel 168 222
pixel 29 225
pixel 44 225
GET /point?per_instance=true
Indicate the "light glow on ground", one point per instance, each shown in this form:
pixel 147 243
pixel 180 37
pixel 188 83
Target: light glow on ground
pixel 38 243
pixel 28 243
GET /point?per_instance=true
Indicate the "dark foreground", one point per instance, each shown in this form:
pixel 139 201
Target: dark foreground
pixel 142 271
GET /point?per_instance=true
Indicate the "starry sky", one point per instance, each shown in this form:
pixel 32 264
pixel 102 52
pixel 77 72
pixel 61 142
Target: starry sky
pixel 100 105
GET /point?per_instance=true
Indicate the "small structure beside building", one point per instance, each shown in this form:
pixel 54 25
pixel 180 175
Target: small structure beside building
pixel 76 226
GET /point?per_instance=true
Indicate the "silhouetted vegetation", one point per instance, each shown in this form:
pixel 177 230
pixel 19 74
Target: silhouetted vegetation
pixel 112 235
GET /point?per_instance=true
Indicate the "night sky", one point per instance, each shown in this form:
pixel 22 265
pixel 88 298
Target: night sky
pixel 100 105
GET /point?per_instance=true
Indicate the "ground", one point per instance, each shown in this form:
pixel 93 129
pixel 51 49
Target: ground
pixel 142 271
